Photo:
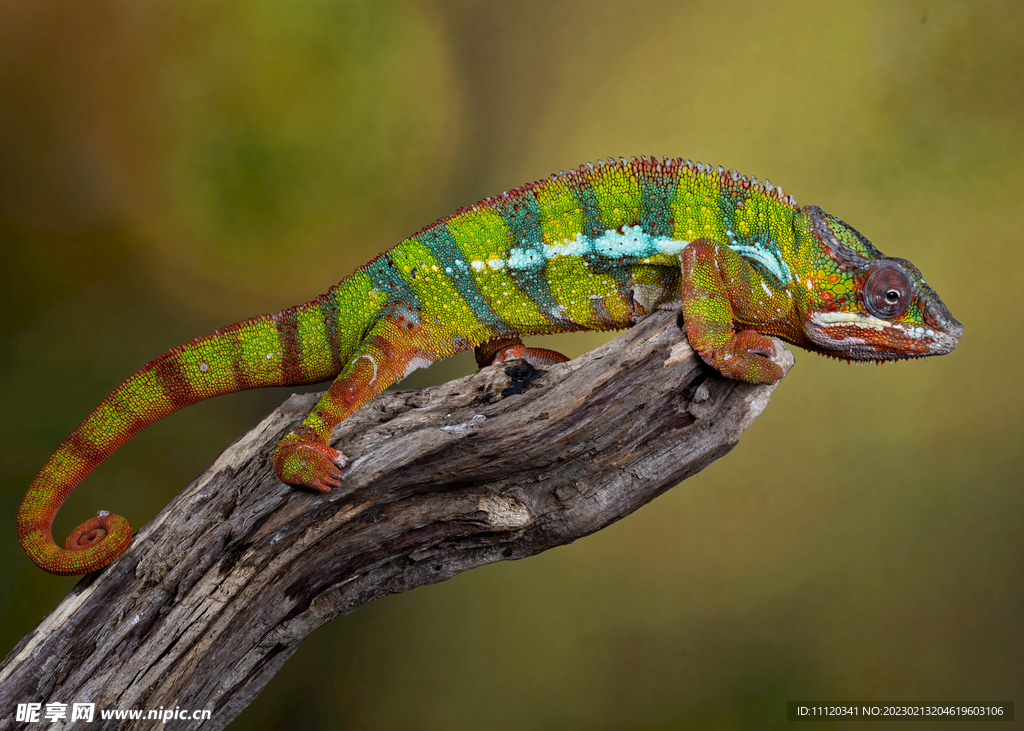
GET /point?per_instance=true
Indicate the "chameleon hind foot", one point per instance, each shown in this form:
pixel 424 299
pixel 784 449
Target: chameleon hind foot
pixel 305 463
pixel 501 350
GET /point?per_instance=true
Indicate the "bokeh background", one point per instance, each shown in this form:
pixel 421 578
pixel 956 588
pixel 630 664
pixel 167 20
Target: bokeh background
pixel 167 168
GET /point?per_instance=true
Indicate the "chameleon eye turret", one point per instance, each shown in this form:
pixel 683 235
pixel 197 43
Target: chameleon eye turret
pixel 887 292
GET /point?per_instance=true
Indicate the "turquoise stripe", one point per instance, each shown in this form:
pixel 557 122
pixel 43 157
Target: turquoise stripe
pixel 442 245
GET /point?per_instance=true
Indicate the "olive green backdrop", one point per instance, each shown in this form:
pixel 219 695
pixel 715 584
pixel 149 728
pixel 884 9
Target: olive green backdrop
pixel 169 167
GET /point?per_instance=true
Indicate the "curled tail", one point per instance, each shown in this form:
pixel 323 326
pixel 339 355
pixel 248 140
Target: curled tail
pixel 294 347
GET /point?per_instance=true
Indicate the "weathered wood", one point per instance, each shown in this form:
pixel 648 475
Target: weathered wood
pixel 218 590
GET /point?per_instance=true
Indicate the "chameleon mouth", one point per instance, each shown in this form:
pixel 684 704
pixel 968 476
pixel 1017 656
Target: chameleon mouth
pixel 864 337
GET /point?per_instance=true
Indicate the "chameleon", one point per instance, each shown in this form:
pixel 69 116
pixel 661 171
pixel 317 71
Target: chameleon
pixel 595 248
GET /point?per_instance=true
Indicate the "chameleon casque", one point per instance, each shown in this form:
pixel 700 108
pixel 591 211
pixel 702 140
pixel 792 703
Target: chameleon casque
pixel 596 248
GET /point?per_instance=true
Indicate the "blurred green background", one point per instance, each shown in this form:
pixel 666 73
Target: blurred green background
pixel 167 168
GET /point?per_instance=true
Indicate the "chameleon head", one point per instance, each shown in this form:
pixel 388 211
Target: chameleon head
pixel 862 305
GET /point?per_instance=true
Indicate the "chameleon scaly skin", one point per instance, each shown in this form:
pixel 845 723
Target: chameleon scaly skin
pixel 597 248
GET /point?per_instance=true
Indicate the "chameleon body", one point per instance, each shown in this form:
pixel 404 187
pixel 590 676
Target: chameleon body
pixel 597 248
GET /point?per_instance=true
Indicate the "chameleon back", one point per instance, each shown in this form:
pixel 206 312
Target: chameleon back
pixel 591 249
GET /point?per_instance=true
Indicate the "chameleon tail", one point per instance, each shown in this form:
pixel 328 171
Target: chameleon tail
pixel 263 351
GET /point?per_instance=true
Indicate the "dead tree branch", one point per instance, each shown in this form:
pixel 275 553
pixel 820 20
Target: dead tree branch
pixel 218 590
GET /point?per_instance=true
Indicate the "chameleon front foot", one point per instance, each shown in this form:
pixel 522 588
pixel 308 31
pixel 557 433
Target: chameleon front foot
pixel 306 463
pixel 748 356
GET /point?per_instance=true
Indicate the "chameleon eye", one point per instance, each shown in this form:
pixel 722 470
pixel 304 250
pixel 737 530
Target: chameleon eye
pixel 887 293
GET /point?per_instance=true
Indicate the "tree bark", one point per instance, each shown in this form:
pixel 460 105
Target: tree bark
pixel 216 592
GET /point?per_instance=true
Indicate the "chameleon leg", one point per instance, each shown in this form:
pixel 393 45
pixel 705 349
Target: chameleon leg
pixel 718 288
pixel 388 353
pixel 500 350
